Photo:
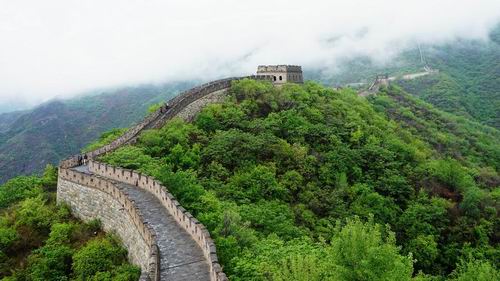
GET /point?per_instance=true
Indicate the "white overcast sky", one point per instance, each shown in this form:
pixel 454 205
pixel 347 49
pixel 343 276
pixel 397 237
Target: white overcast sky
pixel 61 47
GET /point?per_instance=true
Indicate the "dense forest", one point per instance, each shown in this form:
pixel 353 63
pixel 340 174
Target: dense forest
pixel 303 182
pixel 41 241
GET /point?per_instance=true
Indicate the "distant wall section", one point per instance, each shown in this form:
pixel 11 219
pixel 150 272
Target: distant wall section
pixel 189 112
pixel 168 111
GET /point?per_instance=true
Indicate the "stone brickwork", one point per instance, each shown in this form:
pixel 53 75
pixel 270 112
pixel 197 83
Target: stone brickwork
pixel 169 110
pixel 282 73
pixel 93 197
pixel 190 224
pixel 189 112
pixel 101 192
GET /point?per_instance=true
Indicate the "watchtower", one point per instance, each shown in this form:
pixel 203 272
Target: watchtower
pixel 382 79
pixel 282 73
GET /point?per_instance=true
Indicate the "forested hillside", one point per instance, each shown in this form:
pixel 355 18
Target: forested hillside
pixel 308 183
pixel 473 144
pixel 469 80
pixel 467 84
pixel 31 139
pixel 41 241
pixel 6 120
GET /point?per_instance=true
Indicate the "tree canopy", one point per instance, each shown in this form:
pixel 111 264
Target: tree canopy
pixel 304 182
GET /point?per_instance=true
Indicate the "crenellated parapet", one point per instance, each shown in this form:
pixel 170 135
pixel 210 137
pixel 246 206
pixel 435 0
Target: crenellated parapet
pixel 282 73
pixel 166 112
pixel 93 190
pixel 190 224
pixel 92 196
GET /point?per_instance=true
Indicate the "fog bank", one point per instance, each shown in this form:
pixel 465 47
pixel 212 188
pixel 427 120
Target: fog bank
pixel 62 47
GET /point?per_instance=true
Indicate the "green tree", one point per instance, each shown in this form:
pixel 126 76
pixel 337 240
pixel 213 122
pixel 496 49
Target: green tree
pixel 424 249
pixel 19 188
pixel 51 262
pixel 367 251
pixel 475 270
pixel 105 138
pixel 154 107
pixel 427 216
pixel 98 255
pixel 35 213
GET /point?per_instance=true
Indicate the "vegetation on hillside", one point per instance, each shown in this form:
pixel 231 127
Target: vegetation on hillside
pixel 468 81
pixel 308 183
pixel 31 139
pixel 474 145
pixel 41 241
pixel 106 138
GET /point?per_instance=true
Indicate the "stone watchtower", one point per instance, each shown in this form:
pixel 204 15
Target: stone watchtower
pixel 282 73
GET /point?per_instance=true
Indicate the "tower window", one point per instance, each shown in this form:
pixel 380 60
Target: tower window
pixel 281 78
pixel 274 78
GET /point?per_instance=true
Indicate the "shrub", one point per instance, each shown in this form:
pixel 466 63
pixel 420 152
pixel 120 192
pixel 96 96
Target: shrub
pixel 19 188
pixel 51 262
pixel 34 212
pixel 98 255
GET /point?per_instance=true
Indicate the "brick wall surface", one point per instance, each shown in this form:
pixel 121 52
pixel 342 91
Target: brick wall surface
pixel 95 194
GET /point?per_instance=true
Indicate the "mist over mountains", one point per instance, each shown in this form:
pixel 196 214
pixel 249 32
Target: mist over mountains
pixel 31 139
pixel 83 46
pixel 319 140
pixel 467 85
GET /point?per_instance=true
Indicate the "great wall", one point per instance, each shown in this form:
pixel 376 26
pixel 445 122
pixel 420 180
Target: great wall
pixel 164 239
pixel 385 80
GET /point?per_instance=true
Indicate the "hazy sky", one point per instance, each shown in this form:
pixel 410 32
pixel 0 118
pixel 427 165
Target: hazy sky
pixel 62 47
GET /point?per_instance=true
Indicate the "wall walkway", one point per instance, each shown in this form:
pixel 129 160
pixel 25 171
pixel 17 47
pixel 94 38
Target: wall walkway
pixel 160 235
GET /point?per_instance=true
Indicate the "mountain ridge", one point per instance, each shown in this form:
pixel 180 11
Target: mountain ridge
pixel 31 139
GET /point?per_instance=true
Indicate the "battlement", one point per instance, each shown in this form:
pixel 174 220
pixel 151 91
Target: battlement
pixel 103 190
pixel 282 73
pixel 279 68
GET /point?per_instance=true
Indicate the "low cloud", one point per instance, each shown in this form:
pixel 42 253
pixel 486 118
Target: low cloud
pixel 62 47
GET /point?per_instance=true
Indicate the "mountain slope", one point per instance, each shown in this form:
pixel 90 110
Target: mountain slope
pixel 50 132
pixel 468 82
pixel 474 145
pixel 6 120
pixel 303 182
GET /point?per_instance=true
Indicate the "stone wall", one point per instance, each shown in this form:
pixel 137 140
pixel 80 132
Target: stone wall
pixel 92 197
pixel 164 113
pixel 189 112
pixel 197 230
pixel 282 73
pixel 96 196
